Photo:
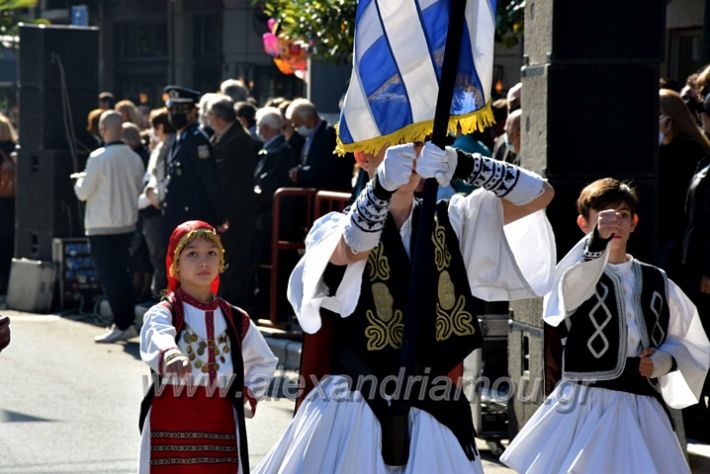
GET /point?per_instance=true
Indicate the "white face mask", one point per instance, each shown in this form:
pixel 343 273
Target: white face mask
pixel 661 137
pixel 304 131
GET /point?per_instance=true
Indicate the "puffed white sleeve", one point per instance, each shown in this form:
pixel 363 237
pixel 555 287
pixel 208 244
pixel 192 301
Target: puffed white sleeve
pixel 574 282
pixel 157 336
pixel 689 346
pixel 259 362
pixel 307 292
pixel 510 262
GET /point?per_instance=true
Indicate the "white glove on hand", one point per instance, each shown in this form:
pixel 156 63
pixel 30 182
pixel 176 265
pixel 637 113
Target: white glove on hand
pixel 396 169
pixel 433 162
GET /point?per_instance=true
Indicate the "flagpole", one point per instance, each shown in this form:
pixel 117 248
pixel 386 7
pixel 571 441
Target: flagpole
pixel 419 327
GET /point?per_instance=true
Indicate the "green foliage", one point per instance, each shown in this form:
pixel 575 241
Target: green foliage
pixel 510 22
pixel 9 20
pixel 327 26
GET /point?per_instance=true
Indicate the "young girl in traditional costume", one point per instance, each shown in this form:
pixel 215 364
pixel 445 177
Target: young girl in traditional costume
pixel 209 360
pixel 633 342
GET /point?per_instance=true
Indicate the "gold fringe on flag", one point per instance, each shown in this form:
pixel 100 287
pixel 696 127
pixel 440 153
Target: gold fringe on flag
pixel 478 120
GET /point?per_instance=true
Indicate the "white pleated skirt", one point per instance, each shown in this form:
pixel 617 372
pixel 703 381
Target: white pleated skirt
pixel 339 434
pixel 580 429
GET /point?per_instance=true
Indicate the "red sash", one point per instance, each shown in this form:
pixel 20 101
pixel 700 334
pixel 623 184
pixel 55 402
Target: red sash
pixel 192 433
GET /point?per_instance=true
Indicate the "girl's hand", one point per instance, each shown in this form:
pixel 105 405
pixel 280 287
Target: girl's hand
pixel 175 363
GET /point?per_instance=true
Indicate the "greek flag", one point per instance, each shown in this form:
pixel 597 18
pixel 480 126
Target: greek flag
pixel 397 59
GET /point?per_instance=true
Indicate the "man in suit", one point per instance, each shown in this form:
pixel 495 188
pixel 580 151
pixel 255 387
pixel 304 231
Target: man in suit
pixel 276 157
pixel 235 154
pixel 318 167
pixel 193 190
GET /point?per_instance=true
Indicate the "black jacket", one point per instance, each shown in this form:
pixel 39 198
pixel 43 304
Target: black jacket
pixel 696 239
pixel 235 154
pixel 322 169
pixel 193 188
pixel 270 174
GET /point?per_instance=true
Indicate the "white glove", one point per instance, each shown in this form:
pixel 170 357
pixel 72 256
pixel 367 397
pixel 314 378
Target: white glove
pixel 396 169
pixel 433 162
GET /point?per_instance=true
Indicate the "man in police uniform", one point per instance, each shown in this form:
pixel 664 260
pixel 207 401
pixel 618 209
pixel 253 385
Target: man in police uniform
pixel 194 190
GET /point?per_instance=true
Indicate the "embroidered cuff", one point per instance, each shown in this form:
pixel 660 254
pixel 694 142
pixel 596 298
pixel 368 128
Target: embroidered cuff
pixel 165 356
pixel 596 246
pixel 367 218
pixel 662 363
pixel 517 185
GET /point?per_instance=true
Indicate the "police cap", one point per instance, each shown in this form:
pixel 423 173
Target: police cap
pixel 177 95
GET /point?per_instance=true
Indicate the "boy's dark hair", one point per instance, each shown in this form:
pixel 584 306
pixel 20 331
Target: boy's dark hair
pixel 605 193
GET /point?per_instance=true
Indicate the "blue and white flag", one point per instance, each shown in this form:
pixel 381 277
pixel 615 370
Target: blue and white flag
pixel 399 51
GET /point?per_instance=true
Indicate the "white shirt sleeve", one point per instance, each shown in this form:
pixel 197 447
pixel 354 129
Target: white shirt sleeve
pixel 510 262
pixel 574 283
pixel 259 362
pixel 689 346
pixel 306 291
pixel 85 186
pixel 157 336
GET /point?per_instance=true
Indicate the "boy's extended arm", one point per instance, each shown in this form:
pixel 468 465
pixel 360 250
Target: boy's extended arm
pixel 576 277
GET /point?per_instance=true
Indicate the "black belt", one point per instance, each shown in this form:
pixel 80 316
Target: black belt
pixel 631 381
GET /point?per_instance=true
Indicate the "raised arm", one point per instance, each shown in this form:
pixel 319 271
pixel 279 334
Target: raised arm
pixel 368 214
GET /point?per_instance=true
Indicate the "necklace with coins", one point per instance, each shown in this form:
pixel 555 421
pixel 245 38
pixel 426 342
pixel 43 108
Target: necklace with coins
pixel 196 347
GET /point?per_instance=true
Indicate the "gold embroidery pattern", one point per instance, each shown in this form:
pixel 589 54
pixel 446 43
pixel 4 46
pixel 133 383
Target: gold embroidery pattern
pixel 451 317
pixel 442 256
pixel 379 264
pixel 381 334
pixel 386 328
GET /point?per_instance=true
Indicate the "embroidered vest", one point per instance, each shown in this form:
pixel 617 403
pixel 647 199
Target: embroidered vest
pixel 376 328
pixel 596 345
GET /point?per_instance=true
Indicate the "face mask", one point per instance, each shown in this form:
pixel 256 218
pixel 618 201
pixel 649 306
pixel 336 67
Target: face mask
pixel 304 131
pixel 178 120
pixel 661 137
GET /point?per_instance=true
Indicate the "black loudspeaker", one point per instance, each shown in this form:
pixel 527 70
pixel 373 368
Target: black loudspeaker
pixel 45 204
pixel 602 120
pixel 58 77
pixel 608 29
pixel 42 124
pixel 576 32
pixel 45 49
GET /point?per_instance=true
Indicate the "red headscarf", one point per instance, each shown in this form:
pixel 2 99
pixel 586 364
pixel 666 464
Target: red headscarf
pixel 183 235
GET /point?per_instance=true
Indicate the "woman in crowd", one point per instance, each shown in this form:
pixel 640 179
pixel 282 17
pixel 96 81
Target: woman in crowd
pixel 682 146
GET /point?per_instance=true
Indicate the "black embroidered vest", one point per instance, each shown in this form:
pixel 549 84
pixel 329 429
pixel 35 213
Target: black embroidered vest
pixel 596 345
pixel 374 331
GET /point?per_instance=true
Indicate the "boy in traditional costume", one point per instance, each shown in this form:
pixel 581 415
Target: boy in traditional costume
pixel 632 341
pixel 353 282
pixel 209 360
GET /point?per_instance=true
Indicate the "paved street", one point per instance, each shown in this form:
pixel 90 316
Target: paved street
pixel 71 406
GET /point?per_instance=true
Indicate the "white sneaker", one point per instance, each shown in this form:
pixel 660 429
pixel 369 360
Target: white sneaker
pixel 115 335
